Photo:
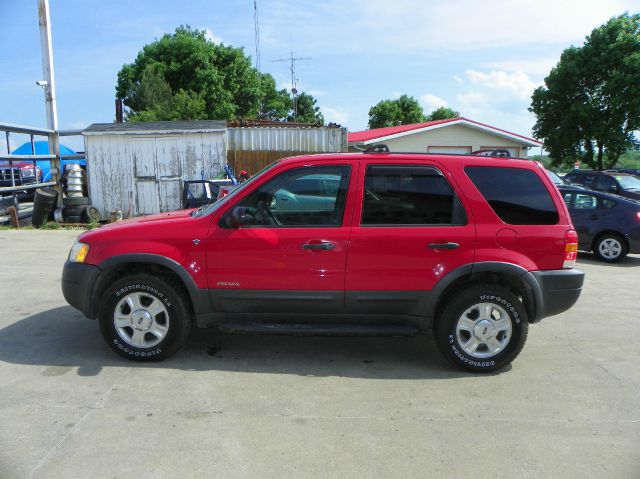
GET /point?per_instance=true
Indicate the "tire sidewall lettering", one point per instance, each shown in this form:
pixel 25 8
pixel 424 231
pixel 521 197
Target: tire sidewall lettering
pixel 488 362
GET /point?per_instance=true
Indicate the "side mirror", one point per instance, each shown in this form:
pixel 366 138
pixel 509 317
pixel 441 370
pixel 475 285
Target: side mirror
pixel 613 189
pixel 240 216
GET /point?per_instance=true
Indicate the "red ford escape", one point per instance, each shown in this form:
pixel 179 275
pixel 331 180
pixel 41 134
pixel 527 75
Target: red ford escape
pixel 364 244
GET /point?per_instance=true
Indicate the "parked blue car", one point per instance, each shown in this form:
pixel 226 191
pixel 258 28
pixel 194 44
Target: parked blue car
pixel 608 225
pixel 42 148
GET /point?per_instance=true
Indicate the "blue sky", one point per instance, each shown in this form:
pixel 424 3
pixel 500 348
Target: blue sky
pixel 481 58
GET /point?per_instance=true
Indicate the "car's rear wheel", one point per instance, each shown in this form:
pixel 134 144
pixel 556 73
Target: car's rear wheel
pixel 610 248
pixel 482 328
pixel 145 318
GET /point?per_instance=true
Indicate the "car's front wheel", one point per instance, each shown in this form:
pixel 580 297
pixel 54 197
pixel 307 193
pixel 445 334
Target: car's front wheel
pixel 482 328
pixel 145 318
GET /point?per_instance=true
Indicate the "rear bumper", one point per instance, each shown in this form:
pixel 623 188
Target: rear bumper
pixel 559 290
pixel 78 281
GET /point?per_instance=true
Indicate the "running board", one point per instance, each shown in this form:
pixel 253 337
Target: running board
pixel 328 329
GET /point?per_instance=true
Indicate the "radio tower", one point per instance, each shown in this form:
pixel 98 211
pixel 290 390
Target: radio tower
pixel 256 28
pixel 294 89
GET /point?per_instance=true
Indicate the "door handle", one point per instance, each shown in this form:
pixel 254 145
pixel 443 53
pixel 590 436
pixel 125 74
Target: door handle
pixel 325 245
pixel 449 245
pixel 594 217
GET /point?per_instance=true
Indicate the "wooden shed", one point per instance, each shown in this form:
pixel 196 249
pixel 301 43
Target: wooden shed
pixel 139 168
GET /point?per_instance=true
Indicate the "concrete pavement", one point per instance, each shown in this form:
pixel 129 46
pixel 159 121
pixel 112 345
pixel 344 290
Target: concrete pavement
pixel 276 407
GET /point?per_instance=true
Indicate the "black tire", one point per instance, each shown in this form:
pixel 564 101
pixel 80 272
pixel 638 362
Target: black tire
pixel 91 214
pixel 73 219
pixel 44 202
pixel 73 211
pixel 610 248
pixel 455 343
pixel 176 317
pixel 75 201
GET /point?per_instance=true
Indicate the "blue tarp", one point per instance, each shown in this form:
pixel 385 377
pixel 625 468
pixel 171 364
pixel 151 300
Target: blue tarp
pixel 42 148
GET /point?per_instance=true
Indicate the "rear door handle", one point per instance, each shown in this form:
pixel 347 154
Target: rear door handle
pixel 326 245
pixel 594 217
pixel 449 245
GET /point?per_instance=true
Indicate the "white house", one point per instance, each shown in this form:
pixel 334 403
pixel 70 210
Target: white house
pixel 455 135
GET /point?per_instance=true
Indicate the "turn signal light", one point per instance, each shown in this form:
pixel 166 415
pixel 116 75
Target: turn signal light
pixel 570 249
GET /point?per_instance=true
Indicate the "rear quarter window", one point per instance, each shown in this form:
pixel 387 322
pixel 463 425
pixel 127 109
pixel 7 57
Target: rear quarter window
pixel 517 195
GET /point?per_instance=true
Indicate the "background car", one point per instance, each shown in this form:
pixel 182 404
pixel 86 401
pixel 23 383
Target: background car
pixel 622 184
pixel 608 225
pixel 631 171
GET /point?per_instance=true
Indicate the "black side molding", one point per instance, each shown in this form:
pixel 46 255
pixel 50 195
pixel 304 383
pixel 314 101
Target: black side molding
pixel 317 329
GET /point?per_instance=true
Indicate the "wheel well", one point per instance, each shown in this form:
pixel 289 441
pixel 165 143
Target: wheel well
pixel 608 232
pixel 126 269
pixel 513 283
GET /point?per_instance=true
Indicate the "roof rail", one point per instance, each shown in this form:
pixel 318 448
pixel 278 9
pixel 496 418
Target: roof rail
pixel 377 148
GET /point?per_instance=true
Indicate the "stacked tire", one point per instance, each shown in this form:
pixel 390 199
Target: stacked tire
pixel 44 202
pixel 77 209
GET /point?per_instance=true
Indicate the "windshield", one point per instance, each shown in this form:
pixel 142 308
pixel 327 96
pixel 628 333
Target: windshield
pixel 211 207
pixel 555 178
pixel 628 182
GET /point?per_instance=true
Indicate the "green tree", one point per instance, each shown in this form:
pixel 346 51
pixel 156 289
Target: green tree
pixel 589 107
pixel 442 113
pixel 401 111
pixel 308 111
pixel 184 76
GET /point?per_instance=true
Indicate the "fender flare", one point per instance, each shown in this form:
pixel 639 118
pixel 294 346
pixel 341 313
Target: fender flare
pixel 492 267
pixel 199 298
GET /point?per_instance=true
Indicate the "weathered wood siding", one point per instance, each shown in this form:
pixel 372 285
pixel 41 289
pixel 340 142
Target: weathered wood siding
pixel 144 174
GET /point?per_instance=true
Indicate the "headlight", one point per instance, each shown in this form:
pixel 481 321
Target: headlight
pixel 78 252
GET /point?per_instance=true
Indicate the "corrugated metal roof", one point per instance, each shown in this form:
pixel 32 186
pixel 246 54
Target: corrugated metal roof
pixel 201 126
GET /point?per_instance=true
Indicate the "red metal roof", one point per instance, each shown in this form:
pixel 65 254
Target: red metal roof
pixel 368 135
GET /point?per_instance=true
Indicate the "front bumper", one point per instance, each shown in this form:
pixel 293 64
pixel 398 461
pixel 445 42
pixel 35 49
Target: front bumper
pixel 78 281
pixel 559 289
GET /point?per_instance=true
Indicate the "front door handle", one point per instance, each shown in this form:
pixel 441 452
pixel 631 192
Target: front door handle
pixel 325 245
pixel 594 217
pixel 449 245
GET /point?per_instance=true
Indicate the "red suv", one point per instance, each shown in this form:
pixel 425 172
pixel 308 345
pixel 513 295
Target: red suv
pixel 363 244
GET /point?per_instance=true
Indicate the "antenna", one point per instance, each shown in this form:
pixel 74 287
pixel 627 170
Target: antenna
pixel 294 80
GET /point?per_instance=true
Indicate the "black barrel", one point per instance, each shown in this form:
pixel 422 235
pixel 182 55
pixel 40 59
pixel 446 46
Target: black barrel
pixel 44 202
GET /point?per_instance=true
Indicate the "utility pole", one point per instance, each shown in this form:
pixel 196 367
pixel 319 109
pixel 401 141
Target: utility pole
pixel 294 89
pixel 48 84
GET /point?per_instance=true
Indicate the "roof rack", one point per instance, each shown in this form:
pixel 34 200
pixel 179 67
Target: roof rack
pixel 377 148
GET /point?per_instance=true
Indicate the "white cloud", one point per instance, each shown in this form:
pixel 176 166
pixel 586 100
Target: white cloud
pixel 336 115
pixel 469 24
pixel 395 94
pixel 208 33
pixel 539 67
pixel 458 79
pixel 498 98
pixel 431 102
pixel 517 84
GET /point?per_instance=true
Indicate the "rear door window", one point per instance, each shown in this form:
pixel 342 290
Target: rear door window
pixel 517 195
pixel 409 195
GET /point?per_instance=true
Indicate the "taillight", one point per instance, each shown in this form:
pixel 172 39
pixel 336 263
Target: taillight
pixel 570 249
pixel 638 215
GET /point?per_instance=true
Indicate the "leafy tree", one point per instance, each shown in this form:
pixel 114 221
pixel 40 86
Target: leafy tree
pixel 162 104
pixel 185 76
pixel 401 111
pixel 308 112
pixel 589 107
pixel 442 113
pixel 275 104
